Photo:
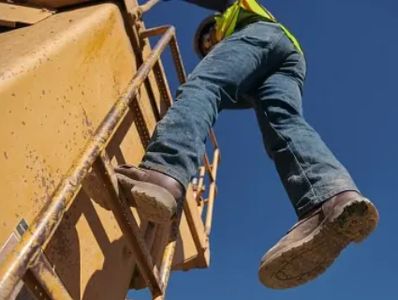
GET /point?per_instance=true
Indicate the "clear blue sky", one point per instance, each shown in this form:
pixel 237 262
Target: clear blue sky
pixel 351 99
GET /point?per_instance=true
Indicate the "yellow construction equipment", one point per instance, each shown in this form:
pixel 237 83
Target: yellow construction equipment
pixel 81 90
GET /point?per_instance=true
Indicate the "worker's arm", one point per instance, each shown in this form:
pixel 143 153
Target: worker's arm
pixel 218 5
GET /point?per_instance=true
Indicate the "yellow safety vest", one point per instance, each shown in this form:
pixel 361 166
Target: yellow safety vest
pixel 227 22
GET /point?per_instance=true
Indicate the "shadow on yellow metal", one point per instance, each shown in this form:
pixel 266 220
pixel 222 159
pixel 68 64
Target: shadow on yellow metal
pixel 81 91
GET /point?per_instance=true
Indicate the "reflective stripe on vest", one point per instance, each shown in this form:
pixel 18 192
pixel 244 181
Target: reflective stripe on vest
pixel 226 23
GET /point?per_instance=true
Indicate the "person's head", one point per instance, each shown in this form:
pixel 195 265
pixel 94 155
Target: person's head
pixel 205 38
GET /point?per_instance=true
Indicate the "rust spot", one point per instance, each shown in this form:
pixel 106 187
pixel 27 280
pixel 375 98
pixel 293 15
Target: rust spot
pixel 5 155
pixel 43 92
pixel 23 123
pixel 13 94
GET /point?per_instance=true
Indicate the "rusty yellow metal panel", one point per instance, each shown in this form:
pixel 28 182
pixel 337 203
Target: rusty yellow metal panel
pixel 58 80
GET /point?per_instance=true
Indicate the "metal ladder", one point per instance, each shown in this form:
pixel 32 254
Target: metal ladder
pixel 27 262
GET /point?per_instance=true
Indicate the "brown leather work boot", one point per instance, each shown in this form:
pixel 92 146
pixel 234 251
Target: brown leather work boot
pixel 315 241
pixel 155 194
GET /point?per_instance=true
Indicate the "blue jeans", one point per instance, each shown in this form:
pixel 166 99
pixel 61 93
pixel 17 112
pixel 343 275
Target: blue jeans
pixel 259 67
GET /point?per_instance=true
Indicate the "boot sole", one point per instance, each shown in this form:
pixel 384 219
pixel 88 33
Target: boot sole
pixel 153 202
pixel 309 258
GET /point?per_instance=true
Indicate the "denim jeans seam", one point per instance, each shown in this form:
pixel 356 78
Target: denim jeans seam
pixel 288 143
pixel 299 161
pixel 295 157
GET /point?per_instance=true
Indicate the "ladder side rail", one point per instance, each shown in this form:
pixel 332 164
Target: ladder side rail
pixel 212 192
pixel 211 169
pixel 121 210
pixel 208 169
pixel 169 251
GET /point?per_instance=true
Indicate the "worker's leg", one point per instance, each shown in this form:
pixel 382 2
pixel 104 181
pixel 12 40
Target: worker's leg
pixel 332 213
pixel 309 171
pixel 239 62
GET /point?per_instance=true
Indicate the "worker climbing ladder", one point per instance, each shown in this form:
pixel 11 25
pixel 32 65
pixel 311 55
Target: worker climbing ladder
pixel 67 226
